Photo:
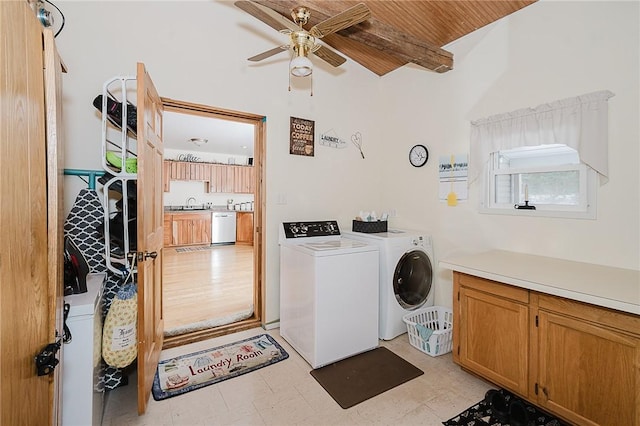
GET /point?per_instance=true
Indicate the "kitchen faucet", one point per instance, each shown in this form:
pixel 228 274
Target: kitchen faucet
pixel 189 199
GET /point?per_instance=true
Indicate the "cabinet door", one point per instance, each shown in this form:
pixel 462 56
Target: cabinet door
pixel 181 225
pixel 222 178
pixel 168 230
pixel 179 170
pixel 243 179
pixel 198 171
pixel 493 338
pixel 588 374
pixel 201 229
pixel 166 176
pixel 244 228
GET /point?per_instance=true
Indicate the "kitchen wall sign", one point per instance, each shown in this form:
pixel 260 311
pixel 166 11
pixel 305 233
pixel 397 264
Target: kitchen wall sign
pixel 301 137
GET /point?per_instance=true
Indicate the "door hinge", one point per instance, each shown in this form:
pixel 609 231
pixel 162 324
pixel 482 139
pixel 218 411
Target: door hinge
pixel 458 349
pixel 536 389
pixel 536 320
pixel 458 296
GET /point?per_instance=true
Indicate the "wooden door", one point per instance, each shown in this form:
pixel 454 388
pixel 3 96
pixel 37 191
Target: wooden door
pixel 588 374
pixel 493 337
pixel 150 239
pixel 53 69
pixel 27 299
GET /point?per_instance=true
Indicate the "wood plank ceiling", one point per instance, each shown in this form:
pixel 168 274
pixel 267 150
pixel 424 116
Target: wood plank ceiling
pixel 400 32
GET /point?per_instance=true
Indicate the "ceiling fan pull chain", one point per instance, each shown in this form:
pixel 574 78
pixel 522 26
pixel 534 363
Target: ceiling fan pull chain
pixel 311 84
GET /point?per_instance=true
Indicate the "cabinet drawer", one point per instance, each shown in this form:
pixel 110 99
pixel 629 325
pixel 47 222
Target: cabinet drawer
pixel 493 287
pixel 622 321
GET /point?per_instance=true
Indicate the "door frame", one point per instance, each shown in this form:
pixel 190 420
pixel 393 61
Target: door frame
pixel 259 122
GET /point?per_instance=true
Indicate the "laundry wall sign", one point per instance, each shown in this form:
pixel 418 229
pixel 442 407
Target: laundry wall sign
pixel 301 136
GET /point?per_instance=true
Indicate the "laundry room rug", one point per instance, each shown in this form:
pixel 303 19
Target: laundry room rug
pixel 363 376
pixel 185 373
pixel 481 414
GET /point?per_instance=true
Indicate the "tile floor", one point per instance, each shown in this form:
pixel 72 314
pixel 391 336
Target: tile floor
pixel 286 394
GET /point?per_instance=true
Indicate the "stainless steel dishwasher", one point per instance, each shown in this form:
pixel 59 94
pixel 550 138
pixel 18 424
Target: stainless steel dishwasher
pixel 223 227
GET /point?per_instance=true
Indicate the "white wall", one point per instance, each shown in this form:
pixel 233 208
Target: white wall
pixel 545 52
pixel 196 52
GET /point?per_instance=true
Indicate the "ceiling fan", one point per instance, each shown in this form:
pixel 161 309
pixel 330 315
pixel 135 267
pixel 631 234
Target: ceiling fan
pixel 303 42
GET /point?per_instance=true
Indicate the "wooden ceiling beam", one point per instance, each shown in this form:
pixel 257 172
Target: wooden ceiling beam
pixel 375 34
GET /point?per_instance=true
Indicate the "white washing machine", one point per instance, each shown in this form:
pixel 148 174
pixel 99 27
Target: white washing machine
pixel 328 292
pixel 406 276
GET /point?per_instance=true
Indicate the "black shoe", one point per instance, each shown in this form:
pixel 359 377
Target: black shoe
pixel 498 404
pixel 114 112
pixel 518 415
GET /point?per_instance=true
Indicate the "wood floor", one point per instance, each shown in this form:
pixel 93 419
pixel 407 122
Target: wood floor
pixel 210 285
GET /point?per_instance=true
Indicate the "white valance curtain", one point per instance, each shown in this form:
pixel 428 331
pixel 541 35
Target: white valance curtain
pixel 580 122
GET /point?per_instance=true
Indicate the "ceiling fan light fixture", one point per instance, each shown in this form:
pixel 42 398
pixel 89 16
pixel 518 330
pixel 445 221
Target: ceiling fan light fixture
pixel 301 66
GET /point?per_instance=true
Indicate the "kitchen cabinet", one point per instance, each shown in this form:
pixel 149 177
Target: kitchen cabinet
pixel 244 228
pixel 189 228
pixel 243 180
pixel 221 178
pixel 167 227
pixel 578 361
pixel 166 176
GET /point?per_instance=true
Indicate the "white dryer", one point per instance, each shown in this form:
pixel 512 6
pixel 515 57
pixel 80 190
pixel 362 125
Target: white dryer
pixel 406 276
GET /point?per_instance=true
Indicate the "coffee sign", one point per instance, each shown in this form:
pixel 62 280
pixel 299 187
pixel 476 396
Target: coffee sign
pixel 301 136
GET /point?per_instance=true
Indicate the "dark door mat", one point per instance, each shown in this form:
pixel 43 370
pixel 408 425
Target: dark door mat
pixel 363 376
pixel 481 414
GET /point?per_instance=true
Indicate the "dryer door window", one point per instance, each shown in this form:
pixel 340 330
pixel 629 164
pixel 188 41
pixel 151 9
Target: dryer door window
pixel 412 279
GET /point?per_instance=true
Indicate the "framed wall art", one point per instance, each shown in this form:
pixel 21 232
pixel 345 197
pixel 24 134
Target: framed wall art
pixel 301 133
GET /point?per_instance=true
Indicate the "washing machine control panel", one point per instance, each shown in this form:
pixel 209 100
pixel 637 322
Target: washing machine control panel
pixel 421 241
pixel 311 229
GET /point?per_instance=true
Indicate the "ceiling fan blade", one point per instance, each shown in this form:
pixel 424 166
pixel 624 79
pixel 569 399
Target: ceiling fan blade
pixel 267 15
pixel 269 53
pixel 329 56
pixel 353 15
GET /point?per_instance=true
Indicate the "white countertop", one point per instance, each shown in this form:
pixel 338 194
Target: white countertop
pixel 600 285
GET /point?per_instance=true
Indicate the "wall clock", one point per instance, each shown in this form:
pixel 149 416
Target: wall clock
pixel 418 155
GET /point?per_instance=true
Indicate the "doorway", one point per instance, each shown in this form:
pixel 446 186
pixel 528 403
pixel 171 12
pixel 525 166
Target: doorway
pixel 217 286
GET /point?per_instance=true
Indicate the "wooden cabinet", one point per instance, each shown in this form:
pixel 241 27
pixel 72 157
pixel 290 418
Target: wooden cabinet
pixel 588 363
pixel 578 361
pixel 219 178
pixel 244 228
pixel 243 180
pixel 167 230
pixel 166 176
pixel 492 316
pixel 187 229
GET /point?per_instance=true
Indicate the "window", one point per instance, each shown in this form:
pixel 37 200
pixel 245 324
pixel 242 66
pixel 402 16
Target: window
pixel 549 177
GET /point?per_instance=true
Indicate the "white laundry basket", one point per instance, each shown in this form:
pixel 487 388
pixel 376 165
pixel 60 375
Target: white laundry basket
pixel 436 318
